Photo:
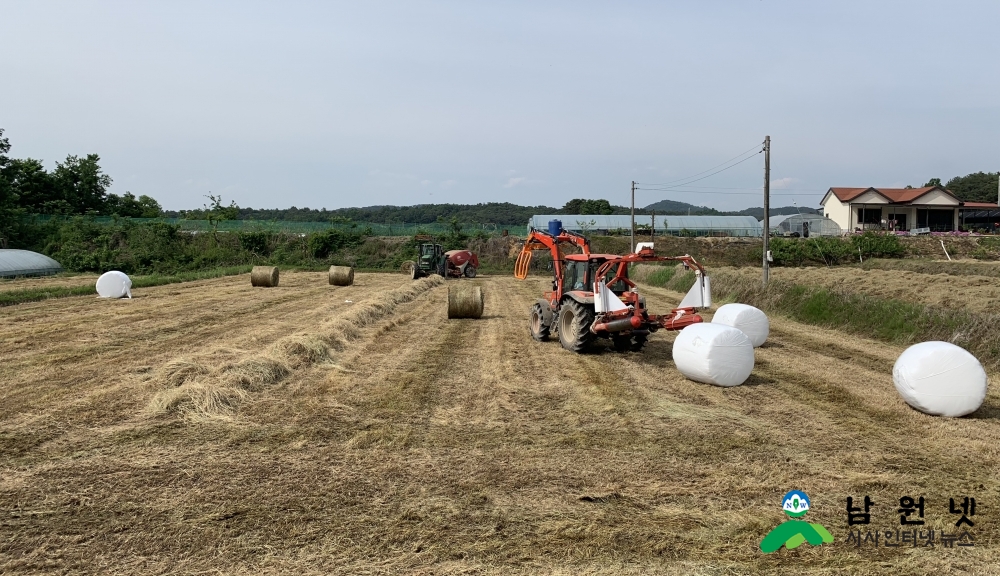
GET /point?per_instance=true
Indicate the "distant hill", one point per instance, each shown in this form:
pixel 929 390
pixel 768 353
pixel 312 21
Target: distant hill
pixel 669 207
pixel 758 212
pixel 500 213
pixel 674 207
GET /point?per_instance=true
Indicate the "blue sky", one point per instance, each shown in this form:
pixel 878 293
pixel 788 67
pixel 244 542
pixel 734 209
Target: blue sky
pixel 327 104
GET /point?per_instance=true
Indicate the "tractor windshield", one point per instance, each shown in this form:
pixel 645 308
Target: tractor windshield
pixel 427 250
pixel 615 286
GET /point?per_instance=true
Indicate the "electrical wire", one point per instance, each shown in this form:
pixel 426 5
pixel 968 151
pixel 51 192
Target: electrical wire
pixel 710 175
pixel 724 193
pixel 751 149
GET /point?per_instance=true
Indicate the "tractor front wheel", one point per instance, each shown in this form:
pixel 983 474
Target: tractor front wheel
pixel 574 326
pixel 536 324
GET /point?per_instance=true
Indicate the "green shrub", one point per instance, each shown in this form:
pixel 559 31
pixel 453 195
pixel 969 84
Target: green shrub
pixel 875 245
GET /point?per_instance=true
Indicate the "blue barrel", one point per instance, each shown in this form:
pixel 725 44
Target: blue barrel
pixel 555 227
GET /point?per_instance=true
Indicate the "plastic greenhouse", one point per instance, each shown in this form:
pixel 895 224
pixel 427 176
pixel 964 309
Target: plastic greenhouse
pixel 807 224
pixel 664 225
pixel 26 263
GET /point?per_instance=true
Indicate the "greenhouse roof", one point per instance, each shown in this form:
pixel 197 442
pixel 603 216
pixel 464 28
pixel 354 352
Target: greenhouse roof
pixel 26 263
pixel 667 222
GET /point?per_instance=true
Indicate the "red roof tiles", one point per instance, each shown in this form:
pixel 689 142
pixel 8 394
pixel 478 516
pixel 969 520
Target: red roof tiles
pixel 895 195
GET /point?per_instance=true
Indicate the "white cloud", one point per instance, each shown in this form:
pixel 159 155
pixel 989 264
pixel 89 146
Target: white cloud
pixel 515 182
pixel 783 183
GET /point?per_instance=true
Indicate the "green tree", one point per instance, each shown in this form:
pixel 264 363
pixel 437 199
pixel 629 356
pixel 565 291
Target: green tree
pixel 933 182
pixel 80 183
pixel 216 213
pixel 9 199
pixel 131 207
pixel 977 187
pixel 36 188
pixel 588 207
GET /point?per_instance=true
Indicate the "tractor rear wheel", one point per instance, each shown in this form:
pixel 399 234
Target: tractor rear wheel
pixel 574 326
pixel 536 324
pixel 470 271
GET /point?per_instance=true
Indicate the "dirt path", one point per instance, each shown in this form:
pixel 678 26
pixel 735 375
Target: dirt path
pixel 459 446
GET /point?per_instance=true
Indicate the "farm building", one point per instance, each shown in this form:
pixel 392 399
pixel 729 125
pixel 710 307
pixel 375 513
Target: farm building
pixel 980 216
pixel 26 263
pixel 663 225
pixel 856 209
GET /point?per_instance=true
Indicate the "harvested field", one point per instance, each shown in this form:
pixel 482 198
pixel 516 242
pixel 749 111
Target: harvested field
pixel 60 281
pixel 978 293
pixel 210 427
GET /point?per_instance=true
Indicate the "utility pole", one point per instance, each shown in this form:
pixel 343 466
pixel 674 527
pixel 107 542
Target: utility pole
pixel 652 226
pixel 632 235
pixel 767 205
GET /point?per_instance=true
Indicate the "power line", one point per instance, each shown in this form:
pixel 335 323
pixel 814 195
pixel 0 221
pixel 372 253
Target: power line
pixel 751 149
pixel 713 173
pixel 679 191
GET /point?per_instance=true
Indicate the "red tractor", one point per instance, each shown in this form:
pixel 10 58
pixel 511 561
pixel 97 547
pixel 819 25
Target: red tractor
pixel 592 296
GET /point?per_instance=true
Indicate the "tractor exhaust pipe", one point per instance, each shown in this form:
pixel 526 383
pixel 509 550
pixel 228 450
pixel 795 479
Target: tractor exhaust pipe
pixel 630 323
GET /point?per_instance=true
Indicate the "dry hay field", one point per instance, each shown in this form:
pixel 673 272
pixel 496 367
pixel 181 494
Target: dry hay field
pixel 208 427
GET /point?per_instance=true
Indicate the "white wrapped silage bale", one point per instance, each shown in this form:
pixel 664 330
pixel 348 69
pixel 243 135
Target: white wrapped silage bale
pixel 714 354
pixel 114 284
pixel 940 379
pixel 747 319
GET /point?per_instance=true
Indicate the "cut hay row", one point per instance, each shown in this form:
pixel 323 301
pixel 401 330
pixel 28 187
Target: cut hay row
pixel 215 385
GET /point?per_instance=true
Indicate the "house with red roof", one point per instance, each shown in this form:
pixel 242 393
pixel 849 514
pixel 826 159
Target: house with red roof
pixel 858 209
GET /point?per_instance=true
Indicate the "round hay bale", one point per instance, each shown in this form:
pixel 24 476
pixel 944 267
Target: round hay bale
pixel 266 276
pixel 114 284
pixel 465 302
pixel 940 379
pixel 714 354
pixel 407 267
pixel 341 275
pixel 747 319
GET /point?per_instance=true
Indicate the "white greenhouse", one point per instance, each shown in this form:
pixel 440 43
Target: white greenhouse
pixel 15 263
pixel 664 225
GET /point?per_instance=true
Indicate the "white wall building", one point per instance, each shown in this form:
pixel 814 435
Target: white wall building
pixel 855 209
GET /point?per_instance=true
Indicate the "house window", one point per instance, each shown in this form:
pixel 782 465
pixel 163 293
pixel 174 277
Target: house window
pixel 936 220
pixel 869 215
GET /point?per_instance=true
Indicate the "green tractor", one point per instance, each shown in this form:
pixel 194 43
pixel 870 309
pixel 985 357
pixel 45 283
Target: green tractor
pixel 430 260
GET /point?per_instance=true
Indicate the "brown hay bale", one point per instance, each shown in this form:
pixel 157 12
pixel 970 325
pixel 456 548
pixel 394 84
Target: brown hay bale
pixel 407 267
pixel 341 275
pixel 465 302
pixel 266 276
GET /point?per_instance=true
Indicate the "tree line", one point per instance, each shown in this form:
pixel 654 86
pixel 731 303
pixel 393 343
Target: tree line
pixel 77 186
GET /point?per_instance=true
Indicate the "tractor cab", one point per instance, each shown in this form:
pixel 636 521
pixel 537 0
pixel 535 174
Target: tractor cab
pixel 580 270
pixel 430 252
